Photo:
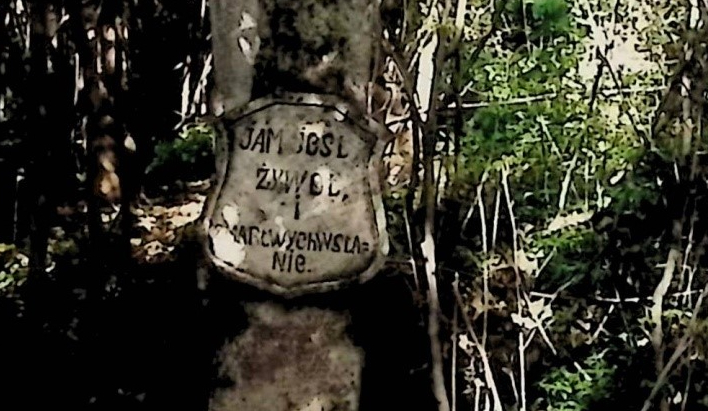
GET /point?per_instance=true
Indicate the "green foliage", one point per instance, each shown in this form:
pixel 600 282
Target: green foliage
pixel 536 139
pixel 575 256
pixel 575 390
pixel 188 158
pixel 551 15
pixel 538 20
pixel 572 146
pixel 563 154
pixel 13 267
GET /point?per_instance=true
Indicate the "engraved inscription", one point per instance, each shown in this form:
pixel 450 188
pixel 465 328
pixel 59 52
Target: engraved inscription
pixel 296 205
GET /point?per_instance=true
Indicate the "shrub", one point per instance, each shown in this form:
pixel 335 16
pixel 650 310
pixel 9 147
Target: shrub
pixel 188 158
pixel 576 390
pixel 13 267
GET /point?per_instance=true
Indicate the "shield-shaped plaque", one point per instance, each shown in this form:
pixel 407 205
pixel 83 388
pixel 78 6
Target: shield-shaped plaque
pixel 298 206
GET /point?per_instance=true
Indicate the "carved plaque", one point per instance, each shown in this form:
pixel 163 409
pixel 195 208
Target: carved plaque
pixel 298 206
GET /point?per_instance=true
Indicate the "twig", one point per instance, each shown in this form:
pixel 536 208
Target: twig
pixel 470 212
pixel 544 128
pixel 409 237
pixel 522 369
pixel 681 347
pixel 614 75
pixel 550 96
pixel 597 332
pixel 539 326
pixel 686 254
pixel 686 389
pixel 415 117
pixel 453 368
pixel 512 218
pixel 434 325
pixel 565 184
pixel 496 19
pixel 512 378
pixel 430 201
pixel 513 101
pixel 595 83
pixel 477 392
pixel 489 377
pixel 545 262
pixel 641 299
pixel 582 371
pixel 485 269
pixel 657 335
pixel 527 31
pixel 495 222
pixel 458 131
pixel 664 374
pixel 688 293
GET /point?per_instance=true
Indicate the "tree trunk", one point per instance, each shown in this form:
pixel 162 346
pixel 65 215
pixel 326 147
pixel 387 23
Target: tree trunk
pixel 102 88
pixel 50 118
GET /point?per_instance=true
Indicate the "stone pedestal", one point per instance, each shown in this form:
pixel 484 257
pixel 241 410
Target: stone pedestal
pixel 297 359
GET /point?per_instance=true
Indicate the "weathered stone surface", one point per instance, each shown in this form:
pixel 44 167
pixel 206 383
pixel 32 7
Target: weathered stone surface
pixel 298 208
pixel 296 45
pixel 299 360
pixel 300 170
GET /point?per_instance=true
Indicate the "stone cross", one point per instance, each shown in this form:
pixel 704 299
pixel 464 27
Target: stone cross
pixel 297 209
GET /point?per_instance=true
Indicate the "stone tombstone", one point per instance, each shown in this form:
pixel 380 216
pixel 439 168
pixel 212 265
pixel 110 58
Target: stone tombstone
pixel 298 207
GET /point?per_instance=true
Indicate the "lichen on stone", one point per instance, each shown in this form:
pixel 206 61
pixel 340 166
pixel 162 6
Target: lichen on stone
pixel 317 43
